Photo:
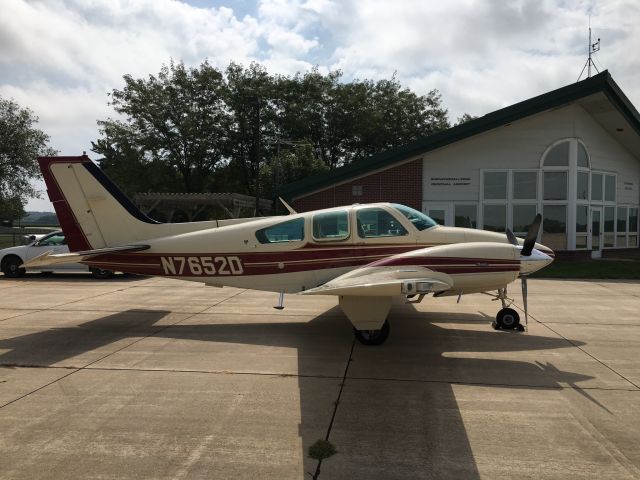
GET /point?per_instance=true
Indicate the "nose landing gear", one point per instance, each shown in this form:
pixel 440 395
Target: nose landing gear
pixel 507 318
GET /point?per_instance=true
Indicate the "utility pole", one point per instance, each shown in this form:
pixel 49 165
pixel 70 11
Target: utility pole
pixel 256 151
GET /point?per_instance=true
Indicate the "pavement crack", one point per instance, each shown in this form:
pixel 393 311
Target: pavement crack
pixel 316 475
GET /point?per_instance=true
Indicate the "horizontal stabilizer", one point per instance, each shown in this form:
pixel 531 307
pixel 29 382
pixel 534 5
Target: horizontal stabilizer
pixel 50 258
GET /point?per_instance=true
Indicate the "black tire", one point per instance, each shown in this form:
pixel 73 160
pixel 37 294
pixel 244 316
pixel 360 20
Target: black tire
pixel 11 267
pixel 508 319
pixel 101 274
pixel 373 337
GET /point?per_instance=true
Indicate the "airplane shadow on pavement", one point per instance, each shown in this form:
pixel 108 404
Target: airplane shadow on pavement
pixel 397 416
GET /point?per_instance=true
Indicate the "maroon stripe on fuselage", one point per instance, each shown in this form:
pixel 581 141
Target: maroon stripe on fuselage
pixel 75 237
pixel 300 260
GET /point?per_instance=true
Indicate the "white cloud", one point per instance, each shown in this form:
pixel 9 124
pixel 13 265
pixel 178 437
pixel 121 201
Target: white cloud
pixel 61 57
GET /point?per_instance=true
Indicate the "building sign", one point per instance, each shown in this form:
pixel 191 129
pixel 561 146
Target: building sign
pixel 450 181
pixel 628 186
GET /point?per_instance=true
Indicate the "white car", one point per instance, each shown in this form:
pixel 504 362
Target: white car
pixel 11 258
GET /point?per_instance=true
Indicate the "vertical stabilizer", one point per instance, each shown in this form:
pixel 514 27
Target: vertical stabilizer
pixel 92 211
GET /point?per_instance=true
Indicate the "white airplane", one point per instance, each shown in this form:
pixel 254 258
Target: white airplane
pixel 367 255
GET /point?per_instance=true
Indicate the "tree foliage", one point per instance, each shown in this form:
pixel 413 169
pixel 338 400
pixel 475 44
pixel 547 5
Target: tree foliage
pixel 20 143
pixel 202 129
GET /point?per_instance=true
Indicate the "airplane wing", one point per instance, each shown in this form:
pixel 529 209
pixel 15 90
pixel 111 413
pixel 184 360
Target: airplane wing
pixel 388 282
pixel 49 258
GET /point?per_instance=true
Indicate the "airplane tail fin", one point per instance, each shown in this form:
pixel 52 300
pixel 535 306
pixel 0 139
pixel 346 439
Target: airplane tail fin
pixel 92 211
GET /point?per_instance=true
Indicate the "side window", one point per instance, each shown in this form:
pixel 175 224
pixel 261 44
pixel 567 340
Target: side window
pixel 376 222
pixel 52 241
pixel 291 231
pixel 331 226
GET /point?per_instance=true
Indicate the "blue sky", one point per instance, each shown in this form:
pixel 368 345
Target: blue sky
pixel 61 57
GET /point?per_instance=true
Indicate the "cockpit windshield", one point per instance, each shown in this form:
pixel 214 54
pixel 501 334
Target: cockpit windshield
pixel 418 219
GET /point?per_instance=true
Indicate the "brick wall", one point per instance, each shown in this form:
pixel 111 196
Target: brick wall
pixel 401 184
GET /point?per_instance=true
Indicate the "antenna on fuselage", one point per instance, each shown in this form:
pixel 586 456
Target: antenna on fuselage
pixel 287 206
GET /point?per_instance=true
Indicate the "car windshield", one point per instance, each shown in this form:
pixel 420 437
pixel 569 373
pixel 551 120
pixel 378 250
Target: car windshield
pixel 418 219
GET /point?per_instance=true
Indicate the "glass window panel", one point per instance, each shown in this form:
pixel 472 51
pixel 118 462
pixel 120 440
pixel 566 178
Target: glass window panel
pixel 582 212
pixel 331 225
pixel 609 240
pixel 495 218
pixel 554 226
pixel 596 186
pixel 609 219
pixel 523 215
pixel 581 241
pixel 525 185
pixel 376 222
pixel 621 241
pixel 555 185
pixel 633 220
pixel 558 156
pixel 583 158
pixel 495 185
pixel 610 188
pixel 53 240
pixel 437 215
pixel 596 231
pixel 290 231
pixel 466 216
pixel 583 186
pixel 633 240
pixel 621 226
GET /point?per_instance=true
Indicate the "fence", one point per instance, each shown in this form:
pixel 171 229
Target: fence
pixel 10 237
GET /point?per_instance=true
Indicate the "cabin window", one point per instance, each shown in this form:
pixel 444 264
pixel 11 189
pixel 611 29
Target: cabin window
pixel 376 223
pixel 290 231
pixel 331 226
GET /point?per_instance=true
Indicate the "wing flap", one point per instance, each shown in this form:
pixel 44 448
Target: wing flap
pixel 50 258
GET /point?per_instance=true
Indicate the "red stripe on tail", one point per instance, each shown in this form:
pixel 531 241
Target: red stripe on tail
pixel 72 231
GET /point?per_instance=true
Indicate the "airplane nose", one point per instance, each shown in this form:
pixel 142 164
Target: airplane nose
pixel 534 262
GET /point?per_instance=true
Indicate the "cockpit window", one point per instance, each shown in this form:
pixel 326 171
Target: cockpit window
pixel 418 219
pixel 376 222
pixel 290 231
pixel 331 225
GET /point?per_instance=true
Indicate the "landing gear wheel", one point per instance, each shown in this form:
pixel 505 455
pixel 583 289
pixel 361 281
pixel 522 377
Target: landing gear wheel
pixel 101 274
pixel 11 267
pixel 508 319
pixel 373 337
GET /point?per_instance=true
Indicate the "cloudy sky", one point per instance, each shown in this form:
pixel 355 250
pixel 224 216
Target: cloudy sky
pixel 61 57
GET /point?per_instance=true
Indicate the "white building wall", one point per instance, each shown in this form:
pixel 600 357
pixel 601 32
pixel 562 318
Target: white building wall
pixel 454 173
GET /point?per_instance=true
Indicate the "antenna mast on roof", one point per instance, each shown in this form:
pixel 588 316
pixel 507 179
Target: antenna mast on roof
pixel 592 48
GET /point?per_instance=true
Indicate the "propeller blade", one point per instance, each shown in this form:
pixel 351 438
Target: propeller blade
pixel 511 237
pixel 524 299
pixel 532 234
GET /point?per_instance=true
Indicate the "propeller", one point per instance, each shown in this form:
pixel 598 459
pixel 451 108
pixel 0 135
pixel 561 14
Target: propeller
pixel 527 249
pixel 532 234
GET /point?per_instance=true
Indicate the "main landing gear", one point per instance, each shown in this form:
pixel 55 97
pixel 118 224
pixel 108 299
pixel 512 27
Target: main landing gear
pixel 507 318
pixel 373 337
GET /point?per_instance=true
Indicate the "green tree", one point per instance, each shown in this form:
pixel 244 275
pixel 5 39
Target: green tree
pixel 206 130
pixel 20 143
pixel 464 118
pixel 177 119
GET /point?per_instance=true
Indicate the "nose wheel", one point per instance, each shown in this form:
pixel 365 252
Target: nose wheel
pixel 507 319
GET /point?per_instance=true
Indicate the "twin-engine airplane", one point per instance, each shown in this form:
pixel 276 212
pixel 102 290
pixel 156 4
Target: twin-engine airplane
pixel 364 254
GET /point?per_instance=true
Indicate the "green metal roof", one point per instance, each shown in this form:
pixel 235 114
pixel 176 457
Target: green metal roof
pixel 598 83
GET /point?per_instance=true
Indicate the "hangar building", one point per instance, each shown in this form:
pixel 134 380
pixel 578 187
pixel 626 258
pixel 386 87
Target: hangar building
pixel 572 154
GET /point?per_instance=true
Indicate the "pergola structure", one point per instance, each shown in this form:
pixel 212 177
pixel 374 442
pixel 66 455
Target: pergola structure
pixel 234 205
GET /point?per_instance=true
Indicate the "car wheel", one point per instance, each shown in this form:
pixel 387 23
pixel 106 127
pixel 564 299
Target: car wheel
pixel 101 274
pixel 11 267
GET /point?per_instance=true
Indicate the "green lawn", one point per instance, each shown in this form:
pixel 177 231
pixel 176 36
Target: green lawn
pixel 595 269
